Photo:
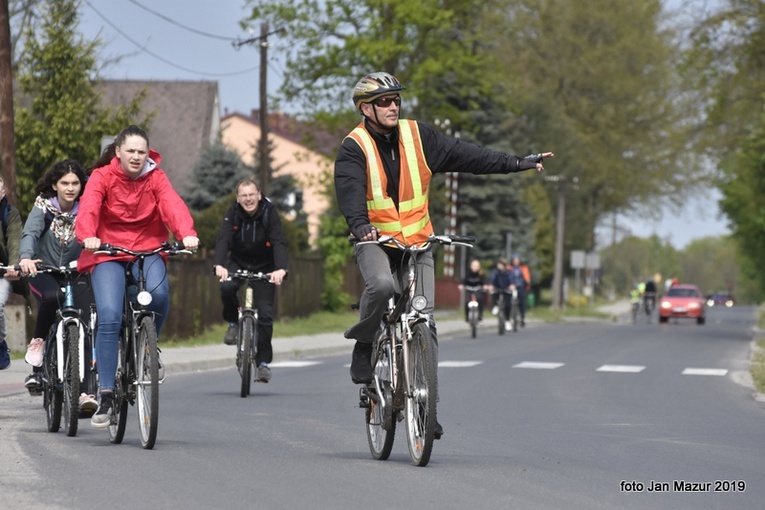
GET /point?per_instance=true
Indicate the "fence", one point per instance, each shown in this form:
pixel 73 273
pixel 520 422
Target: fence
pixel 195 301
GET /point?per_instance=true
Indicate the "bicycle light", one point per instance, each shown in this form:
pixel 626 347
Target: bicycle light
pixel 419 303
pixel 144 298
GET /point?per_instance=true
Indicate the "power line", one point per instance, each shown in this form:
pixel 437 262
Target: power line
pixel 162 59
pixel 173 22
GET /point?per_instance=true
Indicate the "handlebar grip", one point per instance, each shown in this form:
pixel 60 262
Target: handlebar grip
pixel 463 239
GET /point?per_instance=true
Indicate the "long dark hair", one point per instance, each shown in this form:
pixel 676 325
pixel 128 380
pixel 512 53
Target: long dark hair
pixel 106 157
pixel 44 186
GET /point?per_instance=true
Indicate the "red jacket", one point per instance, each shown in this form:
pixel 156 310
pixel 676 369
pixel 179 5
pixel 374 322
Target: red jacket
pixel 132 213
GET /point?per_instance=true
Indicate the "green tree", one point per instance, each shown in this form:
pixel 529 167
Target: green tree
pixel 64 117
pixel 742 185
pixel 333 244
pixel 597 86
pixel 215 175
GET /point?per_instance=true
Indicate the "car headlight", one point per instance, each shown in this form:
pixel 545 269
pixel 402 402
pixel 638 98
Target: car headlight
pixel 666 304
pixel 694 306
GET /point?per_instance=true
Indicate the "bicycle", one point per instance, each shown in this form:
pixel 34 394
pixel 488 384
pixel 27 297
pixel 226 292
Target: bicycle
pixel 473 307
pixel 501 312
pixel 514 310
pixel 64 371
pixel 405 385
pixel 137 379
pixel 247 328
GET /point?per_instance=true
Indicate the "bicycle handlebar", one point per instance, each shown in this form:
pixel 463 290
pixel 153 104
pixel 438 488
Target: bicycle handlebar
pixel 446 239
pixel 176 248
pixel 243 274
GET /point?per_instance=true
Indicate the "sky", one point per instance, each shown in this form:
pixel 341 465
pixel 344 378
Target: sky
pixel 193 40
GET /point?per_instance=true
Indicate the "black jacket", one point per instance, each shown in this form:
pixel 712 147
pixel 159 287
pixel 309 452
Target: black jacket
pixel 255 243
pixel 443 154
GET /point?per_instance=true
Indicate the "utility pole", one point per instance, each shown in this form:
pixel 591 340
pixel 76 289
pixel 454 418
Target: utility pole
pixel 264 166
pixel 263 162
pixel 557 289
pixel 7 143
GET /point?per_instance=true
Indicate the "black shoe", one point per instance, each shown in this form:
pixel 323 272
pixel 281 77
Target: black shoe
pixel 438 431
pixel 33 383
pixel 230 337
pixel 103 416
pixel 523 323
pixel 361 364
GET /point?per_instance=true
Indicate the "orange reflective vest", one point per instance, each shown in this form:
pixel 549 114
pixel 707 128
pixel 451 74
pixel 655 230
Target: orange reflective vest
pixel 410 223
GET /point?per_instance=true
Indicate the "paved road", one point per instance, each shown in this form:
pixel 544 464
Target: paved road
pixel 557 416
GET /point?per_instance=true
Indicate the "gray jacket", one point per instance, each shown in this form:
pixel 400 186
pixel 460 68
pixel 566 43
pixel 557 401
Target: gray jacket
pixel 40 242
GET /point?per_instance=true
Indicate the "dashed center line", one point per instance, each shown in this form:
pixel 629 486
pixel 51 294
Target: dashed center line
pixel 538 365
pixel 633 369
pixel 458 364
pixel 705 371
pixel 293 364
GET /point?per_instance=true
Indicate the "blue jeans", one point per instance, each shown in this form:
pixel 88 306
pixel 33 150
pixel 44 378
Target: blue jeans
pixel 108 282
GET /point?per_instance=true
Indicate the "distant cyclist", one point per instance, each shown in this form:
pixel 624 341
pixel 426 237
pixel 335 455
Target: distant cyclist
pixel 477 280
pixel 520 280
pixel 251 238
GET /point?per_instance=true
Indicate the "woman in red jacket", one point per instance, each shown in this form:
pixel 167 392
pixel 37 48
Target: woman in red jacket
pixel 130 203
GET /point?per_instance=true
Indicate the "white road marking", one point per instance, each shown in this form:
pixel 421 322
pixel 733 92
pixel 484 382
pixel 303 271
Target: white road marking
pixel 705 371
pixel 539 365
pixel 633 369
pixel 458 364
pixel 293 364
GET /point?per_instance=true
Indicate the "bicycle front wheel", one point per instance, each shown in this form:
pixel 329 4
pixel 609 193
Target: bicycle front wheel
pixel 52 396
pixel 473 316
pixel 381 425
pixel 421 397
pixel 246 353
pixel 147 382
pixel 71 379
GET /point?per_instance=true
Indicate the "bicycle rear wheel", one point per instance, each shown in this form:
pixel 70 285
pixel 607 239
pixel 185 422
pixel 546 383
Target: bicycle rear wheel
pixel 71 378
pixel 381 425
pixel 246 353
pixel 421 400
pixel 147 382
pixel 52 395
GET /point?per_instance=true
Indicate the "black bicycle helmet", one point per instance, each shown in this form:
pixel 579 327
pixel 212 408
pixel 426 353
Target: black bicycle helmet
pixel 375 85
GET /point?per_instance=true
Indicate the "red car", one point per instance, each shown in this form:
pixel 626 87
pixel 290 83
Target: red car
pixel 683 301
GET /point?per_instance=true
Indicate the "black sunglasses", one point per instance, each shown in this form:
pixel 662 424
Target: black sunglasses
pixel 384 102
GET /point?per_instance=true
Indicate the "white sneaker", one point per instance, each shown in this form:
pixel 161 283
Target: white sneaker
pixel 508 325
pixel 495 310
pixel 34 355
pixel 88 403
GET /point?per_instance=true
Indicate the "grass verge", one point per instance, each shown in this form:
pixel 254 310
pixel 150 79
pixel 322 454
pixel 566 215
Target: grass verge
pixel 757 368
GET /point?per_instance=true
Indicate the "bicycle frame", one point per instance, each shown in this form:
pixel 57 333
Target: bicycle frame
pixel 137 380
pixel 247 347
pixel 396 387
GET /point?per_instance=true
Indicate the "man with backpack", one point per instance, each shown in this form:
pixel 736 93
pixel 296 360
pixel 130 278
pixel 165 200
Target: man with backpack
pixel 251 238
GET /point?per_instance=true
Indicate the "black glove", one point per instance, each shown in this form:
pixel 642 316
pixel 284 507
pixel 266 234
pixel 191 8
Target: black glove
pixel 530 161
pixel 362 231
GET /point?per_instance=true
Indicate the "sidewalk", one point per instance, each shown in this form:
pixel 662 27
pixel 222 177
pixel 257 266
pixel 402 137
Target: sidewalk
pixel 218 356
